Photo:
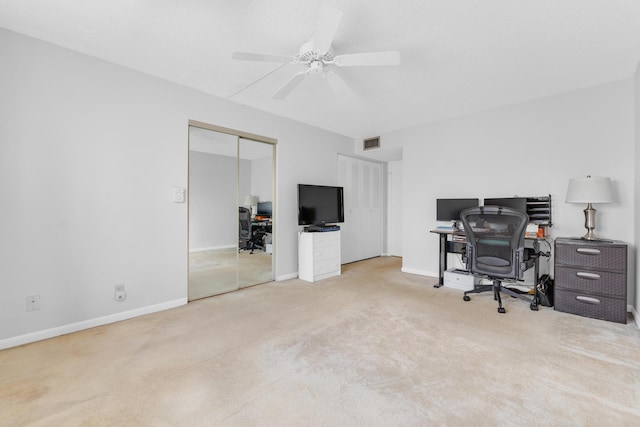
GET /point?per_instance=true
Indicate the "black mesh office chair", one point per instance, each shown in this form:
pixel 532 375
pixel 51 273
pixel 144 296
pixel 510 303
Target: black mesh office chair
pixel 248 240
pixel 495 249
pixel 244 231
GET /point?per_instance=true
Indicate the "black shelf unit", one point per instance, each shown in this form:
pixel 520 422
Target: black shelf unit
pixel 539 210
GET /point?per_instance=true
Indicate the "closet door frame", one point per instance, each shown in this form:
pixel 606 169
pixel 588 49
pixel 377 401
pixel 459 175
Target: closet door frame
pixel 257 138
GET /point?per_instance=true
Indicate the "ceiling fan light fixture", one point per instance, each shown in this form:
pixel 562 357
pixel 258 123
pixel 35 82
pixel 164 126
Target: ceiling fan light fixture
pixel 317 55
pixel 316 67
pixel 306 54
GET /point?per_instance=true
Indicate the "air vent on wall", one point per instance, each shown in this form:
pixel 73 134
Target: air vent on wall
pixel 371 143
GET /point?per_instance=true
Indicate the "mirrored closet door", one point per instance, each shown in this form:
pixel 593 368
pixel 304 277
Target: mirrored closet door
pixel 255 195
pixel 231 192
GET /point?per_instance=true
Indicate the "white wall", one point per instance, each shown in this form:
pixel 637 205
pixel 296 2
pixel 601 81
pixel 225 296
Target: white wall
pixel 213 201
pixel 88 154
pixel 261 181
pixel 528 149
pixel 395 184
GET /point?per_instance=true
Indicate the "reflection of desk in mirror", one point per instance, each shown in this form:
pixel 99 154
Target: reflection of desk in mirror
pixel 454 242
pixel 263 226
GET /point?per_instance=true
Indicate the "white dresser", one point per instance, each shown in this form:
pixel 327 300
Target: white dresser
pixel 318 255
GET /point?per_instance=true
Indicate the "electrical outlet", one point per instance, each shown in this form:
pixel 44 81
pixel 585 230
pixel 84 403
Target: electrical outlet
pixel 120 294
pixel 33 303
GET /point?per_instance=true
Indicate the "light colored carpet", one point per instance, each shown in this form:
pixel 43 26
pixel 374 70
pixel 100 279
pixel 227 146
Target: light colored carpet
pixel 373 347
pixel 217 271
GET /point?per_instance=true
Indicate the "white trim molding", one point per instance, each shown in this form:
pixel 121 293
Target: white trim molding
pixel 87 324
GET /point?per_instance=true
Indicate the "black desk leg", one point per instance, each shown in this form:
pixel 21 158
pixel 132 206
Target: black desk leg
pixel 536 275
pixel 443 260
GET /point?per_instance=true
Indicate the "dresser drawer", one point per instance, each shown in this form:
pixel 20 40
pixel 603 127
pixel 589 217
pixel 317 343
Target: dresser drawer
pixel 598 307
pixel 326 266
pixel 322 253
pixel 323 240
pixel 591 282
pixel 587 255
pixel 318 255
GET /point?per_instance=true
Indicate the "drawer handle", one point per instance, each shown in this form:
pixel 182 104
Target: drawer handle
pixel 588 276
pixel 588 251
pixel 588 300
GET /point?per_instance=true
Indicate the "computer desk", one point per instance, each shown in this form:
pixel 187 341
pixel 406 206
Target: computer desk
pixel 261 224
pixel 453 242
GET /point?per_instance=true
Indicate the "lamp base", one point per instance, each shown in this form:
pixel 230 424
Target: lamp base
pixel 590 223
pixel 590 236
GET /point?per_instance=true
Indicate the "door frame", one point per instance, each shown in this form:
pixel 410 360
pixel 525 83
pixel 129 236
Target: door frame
pixel 249 136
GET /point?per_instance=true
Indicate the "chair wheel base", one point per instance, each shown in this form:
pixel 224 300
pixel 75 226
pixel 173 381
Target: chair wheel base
pixel 466 298
pixel 501 310
pixel 533 307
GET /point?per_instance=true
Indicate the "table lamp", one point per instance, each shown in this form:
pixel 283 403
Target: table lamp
pixel 251 202
pixel 592 189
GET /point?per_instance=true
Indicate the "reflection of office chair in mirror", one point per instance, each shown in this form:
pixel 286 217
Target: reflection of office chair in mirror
pixel 248 240
pixel 244 236
pixel 495 249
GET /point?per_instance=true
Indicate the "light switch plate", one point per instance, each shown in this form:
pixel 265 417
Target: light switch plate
pixel 178 194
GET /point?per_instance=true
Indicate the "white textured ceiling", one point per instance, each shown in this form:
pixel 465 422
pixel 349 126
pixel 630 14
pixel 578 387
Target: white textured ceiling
pixel 458 56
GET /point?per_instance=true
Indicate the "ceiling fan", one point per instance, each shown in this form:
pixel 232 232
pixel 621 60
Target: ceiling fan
pixel 318 57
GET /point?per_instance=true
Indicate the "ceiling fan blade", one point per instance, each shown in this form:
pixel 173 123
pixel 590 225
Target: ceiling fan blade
pixel 328 21
pixel 368 59
pixel 339 85
pixel 290 85
pixel 248 56
pixel 268 73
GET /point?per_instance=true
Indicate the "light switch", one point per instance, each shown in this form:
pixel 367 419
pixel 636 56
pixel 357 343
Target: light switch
pixel 178 195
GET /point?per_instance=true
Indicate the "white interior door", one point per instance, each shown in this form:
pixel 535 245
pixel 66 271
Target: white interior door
pixel 363 205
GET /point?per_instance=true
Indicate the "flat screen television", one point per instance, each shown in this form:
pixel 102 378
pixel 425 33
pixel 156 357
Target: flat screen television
pixel 320 204
pixel 515 203
pixel 449 209
pixel 264 209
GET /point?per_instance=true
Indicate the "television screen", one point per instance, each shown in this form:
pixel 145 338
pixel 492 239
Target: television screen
pixel 449 209
pixel 264 209
pixel 516 203
pixel 320 205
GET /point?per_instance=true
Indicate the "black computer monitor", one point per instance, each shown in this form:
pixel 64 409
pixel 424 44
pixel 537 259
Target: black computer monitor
pixel 515 203
pixel 449 209
pixel 264 209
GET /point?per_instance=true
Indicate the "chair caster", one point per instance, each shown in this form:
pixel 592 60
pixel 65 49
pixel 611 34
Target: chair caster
pixel 466 298
pixel 501 310
pixel 533 307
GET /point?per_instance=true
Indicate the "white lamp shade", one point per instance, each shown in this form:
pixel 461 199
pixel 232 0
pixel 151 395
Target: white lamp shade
pixel 592 189
pixel 250 200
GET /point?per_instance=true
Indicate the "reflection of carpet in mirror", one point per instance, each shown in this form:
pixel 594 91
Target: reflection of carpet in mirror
pixel 213 272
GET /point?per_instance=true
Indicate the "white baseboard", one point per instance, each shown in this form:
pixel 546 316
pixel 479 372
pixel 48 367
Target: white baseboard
pixel 287 276
pixel 418 272
pixel 212 248
pixel 86 324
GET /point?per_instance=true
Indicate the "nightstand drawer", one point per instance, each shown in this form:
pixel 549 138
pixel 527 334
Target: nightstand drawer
pixel 592 256
pixel 598 307
pixel 591 282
